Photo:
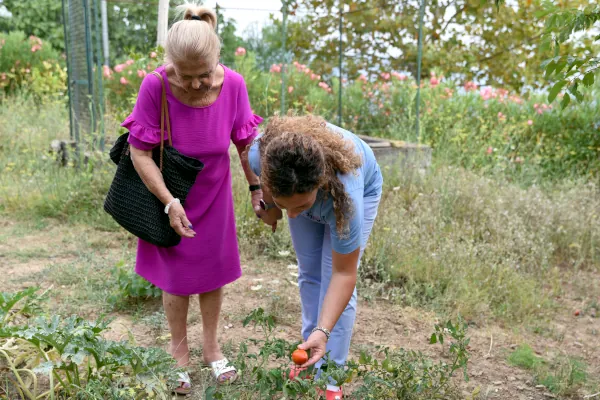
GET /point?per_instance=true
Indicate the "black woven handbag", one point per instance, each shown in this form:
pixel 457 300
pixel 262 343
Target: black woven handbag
pixel 130 202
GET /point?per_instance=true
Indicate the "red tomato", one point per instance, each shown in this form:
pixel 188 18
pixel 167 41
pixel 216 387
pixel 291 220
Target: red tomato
pixel 299 357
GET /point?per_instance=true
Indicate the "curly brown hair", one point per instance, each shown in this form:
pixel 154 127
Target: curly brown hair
pixel 300 154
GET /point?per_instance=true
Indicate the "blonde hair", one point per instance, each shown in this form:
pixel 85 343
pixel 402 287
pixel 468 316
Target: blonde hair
pixel 193 39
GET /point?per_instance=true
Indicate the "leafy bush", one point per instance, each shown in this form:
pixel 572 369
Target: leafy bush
pixel 26 61
pixel 264 365
pixel 73 357
pixel 131 286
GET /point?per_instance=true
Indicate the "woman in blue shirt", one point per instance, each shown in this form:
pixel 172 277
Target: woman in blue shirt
pixel 329 183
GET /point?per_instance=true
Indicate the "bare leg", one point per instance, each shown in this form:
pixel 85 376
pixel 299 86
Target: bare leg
pixel 176 310
pixel 210 307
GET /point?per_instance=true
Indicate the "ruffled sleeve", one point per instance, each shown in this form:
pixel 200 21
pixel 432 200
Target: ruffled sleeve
pixel 246 122
pixel 143 123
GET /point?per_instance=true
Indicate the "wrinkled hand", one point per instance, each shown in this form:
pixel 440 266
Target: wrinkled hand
pixel 316 343
pixel 179 222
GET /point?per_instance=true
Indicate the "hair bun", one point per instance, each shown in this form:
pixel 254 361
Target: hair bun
pixel 206 14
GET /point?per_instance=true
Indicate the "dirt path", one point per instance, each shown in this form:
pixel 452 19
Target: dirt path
pixel 30 255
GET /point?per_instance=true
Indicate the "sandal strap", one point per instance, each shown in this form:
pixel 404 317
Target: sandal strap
pixel 221 367
pixel 184 377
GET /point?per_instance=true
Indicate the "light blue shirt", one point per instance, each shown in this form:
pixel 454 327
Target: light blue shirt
pixel 366 181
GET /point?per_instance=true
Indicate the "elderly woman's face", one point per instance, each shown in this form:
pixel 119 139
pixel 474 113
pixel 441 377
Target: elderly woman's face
pixel 196 75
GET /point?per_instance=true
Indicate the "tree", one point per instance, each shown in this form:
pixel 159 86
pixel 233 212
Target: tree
pixel 131 25
pixel 470 39
pixel 265 44
pixel 229 40
pixel 569 71
pixel 41 18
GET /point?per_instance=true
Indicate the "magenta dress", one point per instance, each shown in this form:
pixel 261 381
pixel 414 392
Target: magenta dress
pixel 211 259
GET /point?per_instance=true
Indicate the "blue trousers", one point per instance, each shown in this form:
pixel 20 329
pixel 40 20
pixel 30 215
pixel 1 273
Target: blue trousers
pixel 312 242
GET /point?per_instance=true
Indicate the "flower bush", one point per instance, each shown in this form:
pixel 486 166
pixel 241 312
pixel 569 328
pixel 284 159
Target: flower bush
pixel 460 120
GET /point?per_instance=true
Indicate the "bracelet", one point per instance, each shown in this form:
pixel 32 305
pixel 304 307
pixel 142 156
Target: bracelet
pixel 254 188
pixel 324 330
pixel 168 206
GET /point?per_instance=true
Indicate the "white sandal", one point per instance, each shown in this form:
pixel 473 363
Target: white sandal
pixel 221 367
pixel 185 384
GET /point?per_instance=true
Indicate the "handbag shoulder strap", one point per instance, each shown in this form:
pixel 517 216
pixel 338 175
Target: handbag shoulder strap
pixel 164 117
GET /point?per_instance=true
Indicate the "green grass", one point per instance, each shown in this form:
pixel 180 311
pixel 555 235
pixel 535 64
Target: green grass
pixel 487 247
pixel 563 376
pixel 524 357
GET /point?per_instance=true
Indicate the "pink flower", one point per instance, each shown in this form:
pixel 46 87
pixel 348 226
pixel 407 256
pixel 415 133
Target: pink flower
pixel 470 86
pixel 380 105
pixel 516 99
pixel 240 51
pixel 344 80
pixel 329 90
pixel 290 89
pixel 129 62
pixel 540 111
pixel 362 78
pixel 489 150
pixel 123 81
pixel 385 75
pixel 106 71
pixel 536 105
pixel 36 47
pixel 432 74
pixel 323 85
pixel 434 81
pixel 275 68
pixel 120 67
pixel 486 93
pixel 314 77
pixel 306 70
pixel 449 92
pixel 4 76
pixel 35 39
pixel 141 73
pixel 529 122
pixel 27 70
pixel 399 76
pixel 153 54
pixel 519 160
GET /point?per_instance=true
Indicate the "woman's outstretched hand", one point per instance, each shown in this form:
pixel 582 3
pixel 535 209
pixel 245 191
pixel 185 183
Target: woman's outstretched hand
pixel 316 343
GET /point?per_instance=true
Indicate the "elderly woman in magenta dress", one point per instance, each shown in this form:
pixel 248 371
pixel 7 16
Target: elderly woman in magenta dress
pixel 209 108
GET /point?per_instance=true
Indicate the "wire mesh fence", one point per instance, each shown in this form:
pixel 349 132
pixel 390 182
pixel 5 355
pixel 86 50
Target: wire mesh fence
pixel 84 68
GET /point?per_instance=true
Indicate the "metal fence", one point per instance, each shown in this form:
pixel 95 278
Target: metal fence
pixel 84 58
pixel 84 69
